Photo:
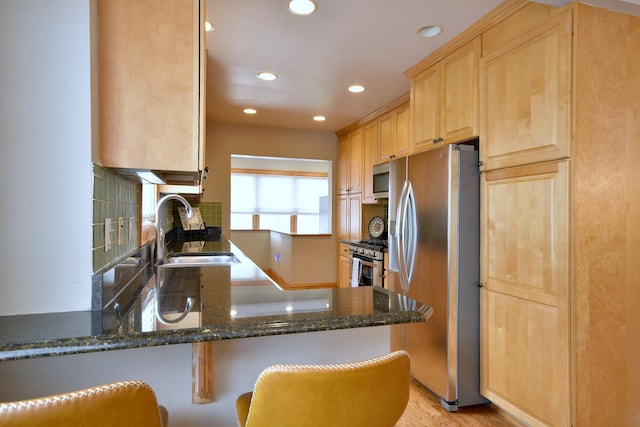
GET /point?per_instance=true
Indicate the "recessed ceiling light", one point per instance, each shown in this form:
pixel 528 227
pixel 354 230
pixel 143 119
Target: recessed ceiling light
pixel 319 118
pixel 302 7
pixel 249 111
pixel 356 89
pixel 429 31
pixel 265 75
pixel 208 26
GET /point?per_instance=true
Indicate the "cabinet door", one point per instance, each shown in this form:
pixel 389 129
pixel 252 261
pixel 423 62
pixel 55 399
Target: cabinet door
pixel 344 153
pixel 355 216
pixel 356 144
pixel 402 143
pixel 344 269
pixel 459 110
pixel 386 126
pixel 349 216
pixel 343 216
pixel 526 97
pixel 370 158
pixel 525 298
pixel 425 108
pixel 149 81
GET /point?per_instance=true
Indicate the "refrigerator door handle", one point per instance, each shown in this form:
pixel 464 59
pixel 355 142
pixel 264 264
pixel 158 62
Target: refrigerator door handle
pixel 400 246
pixel 411 229
pixel 407 228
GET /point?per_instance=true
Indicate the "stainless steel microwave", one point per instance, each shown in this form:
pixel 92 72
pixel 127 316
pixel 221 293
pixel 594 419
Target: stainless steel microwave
pixel 381 181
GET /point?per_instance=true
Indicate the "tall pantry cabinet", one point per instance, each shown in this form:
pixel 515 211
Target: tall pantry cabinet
pixel 560 144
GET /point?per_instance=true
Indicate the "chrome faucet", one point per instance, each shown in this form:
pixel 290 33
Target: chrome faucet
pixel 159 231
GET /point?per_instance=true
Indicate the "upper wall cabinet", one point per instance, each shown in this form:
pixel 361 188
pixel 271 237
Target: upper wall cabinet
pixel 393 134
pixel 152 57
pixel 350 152
pixel 370 158
pixel 444 99
pixel 526 94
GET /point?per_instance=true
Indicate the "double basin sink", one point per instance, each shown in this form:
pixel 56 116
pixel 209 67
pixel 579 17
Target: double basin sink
pixel 198 259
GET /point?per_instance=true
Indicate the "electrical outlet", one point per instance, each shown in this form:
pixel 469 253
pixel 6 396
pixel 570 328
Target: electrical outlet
pixel 132 228
pixel 120 230
pixel 107 234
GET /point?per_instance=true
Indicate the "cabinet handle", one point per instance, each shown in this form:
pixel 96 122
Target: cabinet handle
pixel 480 284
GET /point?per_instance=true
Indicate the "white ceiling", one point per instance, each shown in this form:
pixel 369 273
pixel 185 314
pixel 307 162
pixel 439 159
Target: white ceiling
pixel 369 42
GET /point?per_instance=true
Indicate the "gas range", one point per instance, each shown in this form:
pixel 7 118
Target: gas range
pixel 373 249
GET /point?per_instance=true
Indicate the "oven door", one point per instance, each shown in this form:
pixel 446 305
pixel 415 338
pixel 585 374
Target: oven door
pixel 370 271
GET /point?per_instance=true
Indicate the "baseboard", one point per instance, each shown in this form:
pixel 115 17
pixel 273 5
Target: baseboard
pixel 289 287
pixel 504 414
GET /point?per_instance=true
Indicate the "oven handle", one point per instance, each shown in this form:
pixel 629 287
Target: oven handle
pixel 364 261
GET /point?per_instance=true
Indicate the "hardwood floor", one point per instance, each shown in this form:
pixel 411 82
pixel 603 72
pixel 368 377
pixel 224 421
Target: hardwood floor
pixel 424 409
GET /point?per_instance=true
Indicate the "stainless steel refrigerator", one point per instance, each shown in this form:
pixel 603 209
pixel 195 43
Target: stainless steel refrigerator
pixel 434 250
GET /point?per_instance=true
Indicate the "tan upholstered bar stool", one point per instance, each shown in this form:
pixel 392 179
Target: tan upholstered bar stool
pixel 122 404
pixel 372 393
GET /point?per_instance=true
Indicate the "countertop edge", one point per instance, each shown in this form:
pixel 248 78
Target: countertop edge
pixel 80 345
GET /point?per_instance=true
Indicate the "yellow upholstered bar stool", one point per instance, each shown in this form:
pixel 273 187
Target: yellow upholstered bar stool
pixel 122 404
pixel 372 393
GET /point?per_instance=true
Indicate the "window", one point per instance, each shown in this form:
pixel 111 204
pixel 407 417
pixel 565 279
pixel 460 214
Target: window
pixel 149 196
pixel 286 201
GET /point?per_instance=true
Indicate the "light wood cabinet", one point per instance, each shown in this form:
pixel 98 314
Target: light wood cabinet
pixel 444 99
pixel 525 298
pixel 605 217
pixel 425 109
pixel 370 158
pixel 350 158
pixel 526 95
pixel 151 75
pixel 344 155
pixel 393 134
pixel 561 238
pixel 344 266
pixel 349 216
pixel 356 143
pixel 402 141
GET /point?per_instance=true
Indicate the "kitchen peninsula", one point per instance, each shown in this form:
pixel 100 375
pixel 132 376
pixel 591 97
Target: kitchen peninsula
pixel 225 302
pixel 251 321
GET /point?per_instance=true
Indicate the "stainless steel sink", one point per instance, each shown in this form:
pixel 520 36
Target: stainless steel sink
pixel 199 259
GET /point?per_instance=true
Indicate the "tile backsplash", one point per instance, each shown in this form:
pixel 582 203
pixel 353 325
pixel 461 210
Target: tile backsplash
pixel 114 196
pixel 211 213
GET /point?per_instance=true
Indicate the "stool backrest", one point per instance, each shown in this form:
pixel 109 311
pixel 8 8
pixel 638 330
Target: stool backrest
pixel 368 394
pixel 122 404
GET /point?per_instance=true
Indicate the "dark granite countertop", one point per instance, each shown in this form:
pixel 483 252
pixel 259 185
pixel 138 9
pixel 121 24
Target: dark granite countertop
pixel 193 304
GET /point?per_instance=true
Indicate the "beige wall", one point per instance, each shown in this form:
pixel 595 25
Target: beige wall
pixel 256 244
pixel 223 140
pixel 299 259
pixel 314 260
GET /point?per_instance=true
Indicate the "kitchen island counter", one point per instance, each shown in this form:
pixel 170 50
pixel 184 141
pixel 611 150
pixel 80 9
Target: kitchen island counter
pixel 195 304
